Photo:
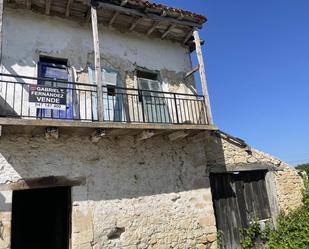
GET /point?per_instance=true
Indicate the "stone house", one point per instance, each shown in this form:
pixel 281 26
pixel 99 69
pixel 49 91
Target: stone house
pixel 105 142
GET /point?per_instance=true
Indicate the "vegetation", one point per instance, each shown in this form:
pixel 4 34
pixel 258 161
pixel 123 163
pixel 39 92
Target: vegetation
pixel 304 167
pixel 292 230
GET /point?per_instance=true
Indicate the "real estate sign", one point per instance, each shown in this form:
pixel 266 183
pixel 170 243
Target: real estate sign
pixel 48 97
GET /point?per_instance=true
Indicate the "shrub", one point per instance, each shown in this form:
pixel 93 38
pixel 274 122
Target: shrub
pixel 292 230
pixel 304 167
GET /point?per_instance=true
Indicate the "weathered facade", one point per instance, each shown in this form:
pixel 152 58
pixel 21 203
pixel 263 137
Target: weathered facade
pixel 137 169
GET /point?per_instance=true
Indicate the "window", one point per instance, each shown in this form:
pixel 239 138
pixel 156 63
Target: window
pixel 148 81
pixel 146 75
pixel 151 95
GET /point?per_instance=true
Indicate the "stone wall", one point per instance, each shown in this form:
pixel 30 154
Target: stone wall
pixel 152 194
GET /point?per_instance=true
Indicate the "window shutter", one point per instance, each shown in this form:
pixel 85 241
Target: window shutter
pixel 94 101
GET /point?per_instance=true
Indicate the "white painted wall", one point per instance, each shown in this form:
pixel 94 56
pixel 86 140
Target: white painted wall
pixel 27 35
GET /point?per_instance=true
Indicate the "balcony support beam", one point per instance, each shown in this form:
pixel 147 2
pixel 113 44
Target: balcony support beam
pixel 97 135
pixel 52 133
pixel 178 135
pixel 200 59
pixel 144 135
pixel 97 61
pixel 192 71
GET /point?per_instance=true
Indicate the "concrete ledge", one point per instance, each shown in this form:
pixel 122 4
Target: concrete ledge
pixel 37 126
pixel 101 125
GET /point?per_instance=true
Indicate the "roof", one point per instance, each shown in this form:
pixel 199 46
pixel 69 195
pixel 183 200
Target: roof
pixel 141 16
pixel 200 19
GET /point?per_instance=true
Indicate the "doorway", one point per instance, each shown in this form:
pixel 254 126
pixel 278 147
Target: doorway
pixel 41 218
pixel 238 197
pixel 155 108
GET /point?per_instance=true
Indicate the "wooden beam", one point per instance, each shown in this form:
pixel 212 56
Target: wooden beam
pixel 145 135
pixel 180 17
pixel 156 23
pixel 47 6
pixel 188 36
pixel 178 135
pixel 28 4
pixel 112 20
pixel 116 14
pixel 52 133
pixel 97 135
pixel 43 182
pixel 124 2
pixel 155 17
pixel 168 30
pixel 200 59
pixel 153 27
pixel 97 62
pixel 134 24
pixel 1 28
pixel 88 15
pixel 68 8
pixel 192 71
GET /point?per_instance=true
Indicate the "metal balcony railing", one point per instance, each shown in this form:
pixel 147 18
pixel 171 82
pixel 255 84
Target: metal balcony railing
pixel 45 98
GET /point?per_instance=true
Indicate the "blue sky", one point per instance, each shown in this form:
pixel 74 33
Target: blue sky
pixel 257 65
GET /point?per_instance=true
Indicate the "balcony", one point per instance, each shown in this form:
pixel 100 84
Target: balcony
pixel 44 102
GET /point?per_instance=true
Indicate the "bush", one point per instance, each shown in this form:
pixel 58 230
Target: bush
pixel 304 167
pixel 292 229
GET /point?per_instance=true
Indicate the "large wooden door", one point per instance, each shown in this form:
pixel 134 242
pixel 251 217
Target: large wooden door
pixel 238 198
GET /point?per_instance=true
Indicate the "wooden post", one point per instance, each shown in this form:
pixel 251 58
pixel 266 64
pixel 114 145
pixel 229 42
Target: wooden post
pixel 1 28
pixel 97 62
pixel 203 75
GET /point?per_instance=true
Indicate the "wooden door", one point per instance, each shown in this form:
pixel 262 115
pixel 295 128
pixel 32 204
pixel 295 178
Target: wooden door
pixel 155 107
pixel 113 98
pixel 238 198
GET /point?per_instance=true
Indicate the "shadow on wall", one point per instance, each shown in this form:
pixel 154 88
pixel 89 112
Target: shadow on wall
pixel 115 168
pixel 5 203
pixel 5 109
pixel 8 101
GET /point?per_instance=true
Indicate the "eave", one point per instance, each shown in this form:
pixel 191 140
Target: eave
pixel 153 20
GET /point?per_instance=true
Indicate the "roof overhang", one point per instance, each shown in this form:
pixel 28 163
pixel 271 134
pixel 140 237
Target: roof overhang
pixel 151 19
